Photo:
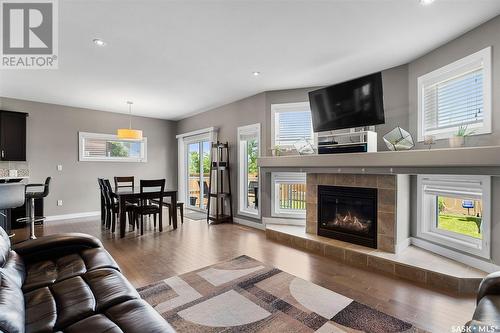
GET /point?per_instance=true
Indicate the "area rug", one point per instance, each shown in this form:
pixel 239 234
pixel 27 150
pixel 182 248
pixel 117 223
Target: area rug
pixel 194 215
pixel 244 295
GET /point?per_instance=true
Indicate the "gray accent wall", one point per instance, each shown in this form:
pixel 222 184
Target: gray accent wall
pixel 227 119
pixel 487 34
pixel 53 140
pixel 257 109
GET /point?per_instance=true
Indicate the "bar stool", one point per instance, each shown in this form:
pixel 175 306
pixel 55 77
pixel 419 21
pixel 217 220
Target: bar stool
pixel 30 197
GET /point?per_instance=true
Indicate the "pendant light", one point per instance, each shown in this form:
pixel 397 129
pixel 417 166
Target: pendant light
pixel 129 133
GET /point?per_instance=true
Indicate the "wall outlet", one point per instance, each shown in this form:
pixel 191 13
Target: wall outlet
pixel 59 167
pixel 59 202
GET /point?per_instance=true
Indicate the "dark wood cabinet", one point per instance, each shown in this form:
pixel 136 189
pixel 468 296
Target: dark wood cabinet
pixel 12 136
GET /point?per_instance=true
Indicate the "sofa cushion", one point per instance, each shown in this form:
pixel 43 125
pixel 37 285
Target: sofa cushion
pixel 11 306
pixel 46 272
pixel 488 310
pixel 41 310
pixel 4 247
pixel 67 302
pixel 131 316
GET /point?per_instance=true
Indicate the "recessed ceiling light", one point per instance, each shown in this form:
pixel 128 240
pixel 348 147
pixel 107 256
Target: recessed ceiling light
pixel 99 42
pixel 256 73
pixel 426 2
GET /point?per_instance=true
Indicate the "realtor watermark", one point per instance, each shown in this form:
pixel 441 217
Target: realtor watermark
pixel 475 328
pixel 29 33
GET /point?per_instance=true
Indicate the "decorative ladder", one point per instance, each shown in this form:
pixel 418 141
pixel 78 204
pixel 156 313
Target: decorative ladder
pixel 219 188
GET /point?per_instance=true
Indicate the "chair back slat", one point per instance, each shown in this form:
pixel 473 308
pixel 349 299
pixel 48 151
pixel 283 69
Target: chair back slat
pixel 124 182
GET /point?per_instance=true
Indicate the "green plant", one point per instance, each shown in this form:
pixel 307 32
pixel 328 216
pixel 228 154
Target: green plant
pixel 441 205
pixel 462 131
pixel 277 150
pixel 117 149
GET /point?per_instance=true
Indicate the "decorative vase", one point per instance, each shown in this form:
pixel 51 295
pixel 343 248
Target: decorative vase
pixel 457 141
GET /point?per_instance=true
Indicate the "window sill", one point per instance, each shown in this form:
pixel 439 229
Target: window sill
pixel 450 133
pixel 251 214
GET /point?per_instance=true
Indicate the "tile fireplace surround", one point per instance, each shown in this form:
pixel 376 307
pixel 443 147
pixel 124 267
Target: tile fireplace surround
pixel 392 192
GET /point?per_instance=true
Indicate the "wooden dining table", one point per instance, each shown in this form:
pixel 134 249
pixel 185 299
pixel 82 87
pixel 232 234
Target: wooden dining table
pixel 125 195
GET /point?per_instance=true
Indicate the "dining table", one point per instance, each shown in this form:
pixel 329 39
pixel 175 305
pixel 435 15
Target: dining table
pixel 128 195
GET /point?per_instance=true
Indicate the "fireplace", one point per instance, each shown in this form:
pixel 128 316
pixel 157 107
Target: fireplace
pixel 348 214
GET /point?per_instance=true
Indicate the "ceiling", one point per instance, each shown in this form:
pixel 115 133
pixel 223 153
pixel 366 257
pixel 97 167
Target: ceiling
pixel 178 58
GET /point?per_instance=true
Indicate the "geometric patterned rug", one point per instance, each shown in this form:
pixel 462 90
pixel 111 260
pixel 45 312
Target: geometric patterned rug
pixel 245 295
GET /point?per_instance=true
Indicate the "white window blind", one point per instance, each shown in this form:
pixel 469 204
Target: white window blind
pixel 455 102
pixel 291 122
pixel 458 94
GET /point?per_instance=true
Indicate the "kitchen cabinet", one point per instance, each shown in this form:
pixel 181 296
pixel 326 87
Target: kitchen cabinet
pixel 12 136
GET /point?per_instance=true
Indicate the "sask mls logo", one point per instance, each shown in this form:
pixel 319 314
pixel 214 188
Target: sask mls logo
pixel 29 34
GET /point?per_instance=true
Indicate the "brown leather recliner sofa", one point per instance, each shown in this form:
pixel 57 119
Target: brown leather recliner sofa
pixel 486 317
pixel 68 283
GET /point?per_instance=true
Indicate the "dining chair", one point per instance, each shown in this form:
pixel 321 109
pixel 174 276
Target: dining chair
pixel 124 182
pixel 112 207
pixel 173 210
pixel 153 205
pixel 103 201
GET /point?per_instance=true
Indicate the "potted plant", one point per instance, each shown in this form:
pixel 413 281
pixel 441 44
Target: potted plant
pixel 458 139
pixel 276 151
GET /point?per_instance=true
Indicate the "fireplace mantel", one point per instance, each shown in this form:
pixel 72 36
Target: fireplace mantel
pixel 484 160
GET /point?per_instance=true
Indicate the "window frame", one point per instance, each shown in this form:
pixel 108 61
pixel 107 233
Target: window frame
pixel 283 178
pixel 243 208
pixel 445 73
pixel 289 107
pixel 82 136
pixel 453 185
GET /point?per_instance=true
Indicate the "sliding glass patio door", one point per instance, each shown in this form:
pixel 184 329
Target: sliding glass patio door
pixel 198 169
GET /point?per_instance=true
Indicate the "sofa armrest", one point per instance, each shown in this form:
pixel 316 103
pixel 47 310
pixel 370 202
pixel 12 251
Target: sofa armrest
pixel 55 245
pixel 489 286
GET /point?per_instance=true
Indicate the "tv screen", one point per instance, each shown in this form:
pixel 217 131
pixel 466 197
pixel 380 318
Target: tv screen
pixel 355 103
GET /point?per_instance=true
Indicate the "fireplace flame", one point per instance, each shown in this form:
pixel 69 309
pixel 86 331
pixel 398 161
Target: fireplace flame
pixel 351 222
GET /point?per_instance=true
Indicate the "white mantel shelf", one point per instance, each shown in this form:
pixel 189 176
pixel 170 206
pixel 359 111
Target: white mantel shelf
pixel 487 158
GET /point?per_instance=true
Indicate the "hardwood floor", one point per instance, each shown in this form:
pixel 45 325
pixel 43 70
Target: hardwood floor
pixel 154 256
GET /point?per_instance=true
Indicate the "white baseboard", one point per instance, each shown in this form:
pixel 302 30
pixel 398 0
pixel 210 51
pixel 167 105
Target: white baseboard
pixel 460 257
pixel 248 223
pixel 72 216
pixel 285 221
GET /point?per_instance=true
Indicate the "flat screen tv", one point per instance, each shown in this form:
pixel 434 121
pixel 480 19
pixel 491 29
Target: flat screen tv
pixel 354 103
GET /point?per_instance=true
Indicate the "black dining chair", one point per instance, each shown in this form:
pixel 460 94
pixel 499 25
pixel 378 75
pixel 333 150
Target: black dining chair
pixel 126 183
pixel 152 205
pixel 112 208
pixel 103 200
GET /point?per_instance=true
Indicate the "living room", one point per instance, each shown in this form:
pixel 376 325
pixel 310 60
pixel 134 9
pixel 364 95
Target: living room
pixel 283 166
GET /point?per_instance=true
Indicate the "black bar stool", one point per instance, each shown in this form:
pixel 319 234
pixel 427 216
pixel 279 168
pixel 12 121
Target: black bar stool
pixel 30 196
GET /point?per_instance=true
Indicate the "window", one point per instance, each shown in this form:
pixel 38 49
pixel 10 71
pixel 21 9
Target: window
pixel 288 192
pixel 456 95
pixel 454 211
pixel 248 171
pixel 290 123
pixel 107 147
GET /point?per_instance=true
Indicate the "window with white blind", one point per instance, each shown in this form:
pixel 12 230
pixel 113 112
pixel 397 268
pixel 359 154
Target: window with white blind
pixel 291 122
pixel 454 211
pixel 456 95
pixel 108 148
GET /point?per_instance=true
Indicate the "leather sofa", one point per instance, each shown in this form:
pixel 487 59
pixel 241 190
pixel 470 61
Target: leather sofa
pixel 68 283
pixel 486 317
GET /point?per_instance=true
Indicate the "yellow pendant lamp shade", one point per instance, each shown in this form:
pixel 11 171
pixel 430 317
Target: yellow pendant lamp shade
pixel 129 133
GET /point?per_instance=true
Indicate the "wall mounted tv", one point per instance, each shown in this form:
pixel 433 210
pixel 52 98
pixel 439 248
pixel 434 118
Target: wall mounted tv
pixel 354 103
